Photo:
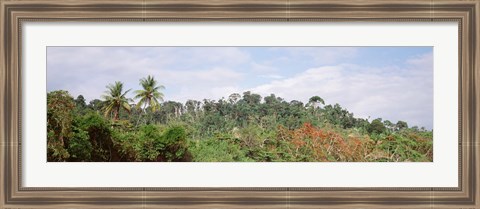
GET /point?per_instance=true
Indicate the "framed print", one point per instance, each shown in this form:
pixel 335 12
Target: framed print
pixel 251 104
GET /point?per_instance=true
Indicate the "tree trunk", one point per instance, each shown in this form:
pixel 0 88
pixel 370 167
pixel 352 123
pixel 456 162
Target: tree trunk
pixel 115 116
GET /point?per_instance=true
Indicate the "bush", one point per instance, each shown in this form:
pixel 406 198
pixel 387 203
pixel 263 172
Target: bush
pixel 174 140
pixel 214 150
pixel 312 144
pixel 153 145
pixel 407 146
pixel 127 143
pixel 149 146
pixel 99 135
pixel 59 124
pixel 376 127
pixel 79 146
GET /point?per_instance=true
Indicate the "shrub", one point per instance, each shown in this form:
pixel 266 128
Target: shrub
pixel 127 143
pixel 149 146
pixel 59 124
pixel 153 145
pixel 213 150
pixel 79 146
pixel 376 127
pixel 174 140
pixel 310 143
pixel 99 135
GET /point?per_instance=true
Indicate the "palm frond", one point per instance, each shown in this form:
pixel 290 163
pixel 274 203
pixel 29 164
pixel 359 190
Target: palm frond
pixel 150 94
pixel 126 106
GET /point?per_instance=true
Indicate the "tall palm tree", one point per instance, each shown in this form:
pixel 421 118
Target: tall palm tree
pixel 115 100
pixel 150 94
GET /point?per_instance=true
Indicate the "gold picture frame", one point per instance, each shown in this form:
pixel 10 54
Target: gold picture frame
pixel 15 12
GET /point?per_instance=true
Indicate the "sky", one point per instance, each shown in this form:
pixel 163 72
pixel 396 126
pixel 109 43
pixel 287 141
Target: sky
pixel 392 83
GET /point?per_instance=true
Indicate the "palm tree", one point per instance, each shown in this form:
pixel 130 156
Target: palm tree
pixel 115 100
pixel 150 94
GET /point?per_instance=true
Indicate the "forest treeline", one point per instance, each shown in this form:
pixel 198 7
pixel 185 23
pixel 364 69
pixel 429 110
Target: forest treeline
pixel 240 128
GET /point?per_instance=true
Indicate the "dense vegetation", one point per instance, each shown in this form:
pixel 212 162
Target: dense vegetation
pixel 240 128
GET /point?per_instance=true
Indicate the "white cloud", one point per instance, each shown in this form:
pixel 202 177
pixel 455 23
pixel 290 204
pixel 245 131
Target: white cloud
pixel 394 93
pixel 216 75
pixel 217 55
pixel 424 60
pixel 390 93
pixel 262 68
pixel 324 55
pixel 200 92
pixel 87 70
pixel 206 84
pixel 271 76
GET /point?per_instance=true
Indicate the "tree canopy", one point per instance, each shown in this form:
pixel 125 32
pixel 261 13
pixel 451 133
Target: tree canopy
pixel 244 127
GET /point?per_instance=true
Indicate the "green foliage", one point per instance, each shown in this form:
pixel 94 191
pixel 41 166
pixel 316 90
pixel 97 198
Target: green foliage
pixel 241 128
pixel 152 144
pixel 315 101
pixel 150 95
pixel 96 105
pixel 99 134
pixel 251 140
pixel 128 145
pixel 80 102
pixel 401 125
pixel 376 127
pixel 214 150
pixel 59 124
pixel 174 141
pixel 115 100
pixel 336 115
pixel 79 146
pixel 406 146
pixel 55 151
